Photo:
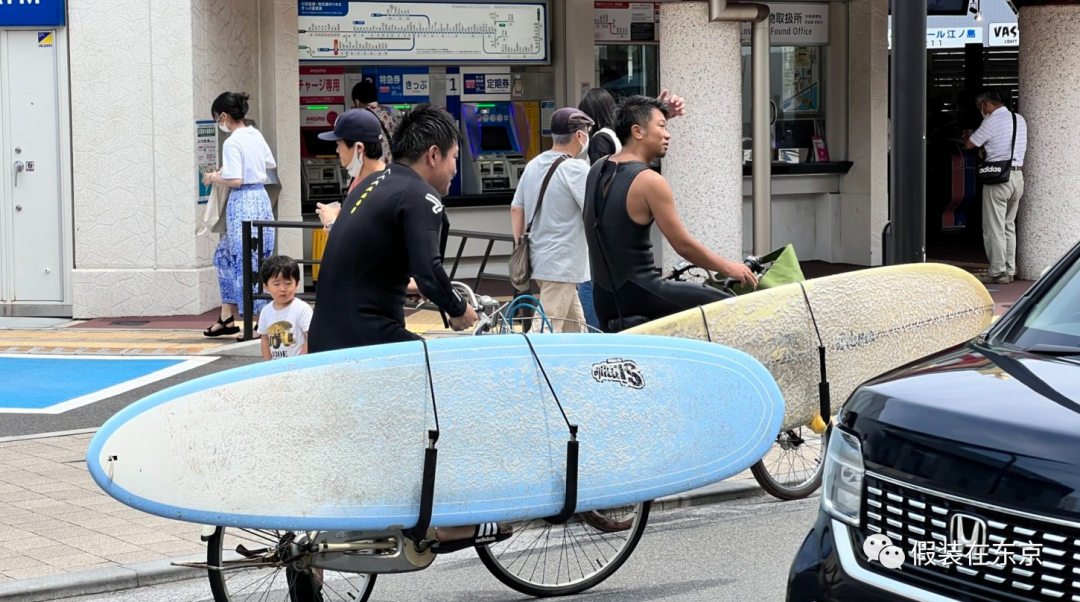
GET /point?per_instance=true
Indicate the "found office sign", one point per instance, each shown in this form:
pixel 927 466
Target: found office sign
pixel 795 25
pixel 32 13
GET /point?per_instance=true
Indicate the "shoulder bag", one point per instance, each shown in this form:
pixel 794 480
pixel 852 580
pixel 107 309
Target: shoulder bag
pixel 520 264
pixel 998 172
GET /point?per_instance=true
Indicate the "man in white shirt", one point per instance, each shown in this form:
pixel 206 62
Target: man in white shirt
pixel 557 245
pixel 1000 201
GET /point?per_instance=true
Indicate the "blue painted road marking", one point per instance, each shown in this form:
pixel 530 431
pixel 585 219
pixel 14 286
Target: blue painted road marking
pixel 51 385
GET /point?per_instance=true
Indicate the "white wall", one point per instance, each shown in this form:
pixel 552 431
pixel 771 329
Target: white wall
pixel 133 159
pixel 134 105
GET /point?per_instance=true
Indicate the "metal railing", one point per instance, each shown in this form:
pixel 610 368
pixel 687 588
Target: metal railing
pixel 251 274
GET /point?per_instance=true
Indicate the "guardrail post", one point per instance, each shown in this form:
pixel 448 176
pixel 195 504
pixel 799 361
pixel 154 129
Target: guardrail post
pixel 249 302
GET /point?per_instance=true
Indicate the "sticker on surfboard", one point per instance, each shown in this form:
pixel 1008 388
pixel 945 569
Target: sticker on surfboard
pixel 624 372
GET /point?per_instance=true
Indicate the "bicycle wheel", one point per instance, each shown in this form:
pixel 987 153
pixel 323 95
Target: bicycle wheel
pixel 793 467
pixel 542 559
pixel 256 570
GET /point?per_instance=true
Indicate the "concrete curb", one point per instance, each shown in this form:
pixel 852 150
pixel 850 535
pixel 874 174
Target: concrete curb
pixel 99 581
pixel 251 348
pixel 129 576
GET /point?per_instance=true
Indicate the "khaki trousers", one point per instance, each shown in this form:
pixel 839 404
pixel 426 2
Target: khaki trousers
pixel 561 302
pixel 1000 202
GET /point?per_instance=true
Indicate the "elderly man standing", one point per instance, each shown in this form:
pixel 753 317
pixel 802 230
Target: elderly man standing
pixel 551 196
pixel 1003 136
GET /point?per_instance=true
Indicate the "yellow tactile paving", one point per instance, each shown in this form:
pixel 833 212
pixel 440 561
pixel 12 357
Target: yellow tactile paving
pixel 106 342
pixel 112 335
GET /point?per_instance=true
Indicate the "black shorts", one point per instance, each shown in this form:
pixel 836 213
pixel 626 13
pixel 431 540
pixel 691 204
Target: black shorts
pixel 652 299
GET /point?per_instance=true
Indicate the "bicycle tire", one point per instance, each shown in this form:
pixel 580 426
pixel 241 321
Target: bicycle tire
pixel 495 567
pixel 300 589
pixel 785 491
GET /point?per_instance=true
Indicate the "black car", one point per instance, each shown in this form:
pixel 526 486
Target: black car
pixel 968 462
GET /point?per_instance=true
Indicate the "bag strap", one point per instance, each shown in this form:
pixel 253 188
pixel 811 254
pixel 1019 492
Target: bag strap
pixel 1012 153
pixel 543 189
pixel 599 194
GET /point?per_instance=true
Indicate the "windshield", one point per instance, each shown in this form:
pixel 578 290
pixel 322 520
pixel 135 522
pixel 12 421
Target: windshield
pixel 1055 319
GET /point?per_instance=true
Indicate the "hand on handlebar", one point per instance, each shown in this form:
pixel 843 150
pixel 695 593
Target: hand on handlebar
pixel 465 320
pixel 741 273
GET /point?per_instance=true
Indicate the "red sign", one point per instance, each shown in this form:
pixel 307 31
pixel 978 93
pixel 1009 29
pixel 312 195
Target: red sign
pixel 322 85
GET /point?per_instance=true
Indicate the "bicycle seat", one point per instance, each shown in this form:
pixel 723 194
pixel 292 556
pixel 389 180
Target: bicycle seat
pixel 626 323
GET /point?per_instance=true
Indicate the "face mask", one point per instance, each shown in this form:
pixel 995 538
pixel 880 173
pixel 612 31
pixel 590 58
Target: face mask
pixel 584 154
pixel 357 164
pixel 223 127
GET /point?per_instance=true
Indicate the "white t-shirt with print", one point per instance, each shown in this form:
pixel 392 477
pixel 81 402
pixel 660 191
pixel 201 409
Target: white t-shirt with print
pixel 286 328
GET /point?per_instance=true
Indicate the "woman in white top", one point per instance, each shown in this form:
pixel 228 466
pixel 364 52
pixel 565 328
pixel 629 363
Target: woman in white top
pixel 245 159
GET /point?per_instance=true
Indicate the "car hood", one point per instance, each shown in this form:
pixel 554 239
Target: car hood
pixel 980 423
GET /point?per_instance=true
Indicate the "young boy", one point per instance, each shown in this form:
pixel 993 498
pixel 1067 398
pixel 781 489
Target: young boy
pixel 284 323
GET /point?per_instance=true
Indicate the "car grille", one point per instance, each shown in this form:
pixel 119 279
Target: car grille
pixel 912 515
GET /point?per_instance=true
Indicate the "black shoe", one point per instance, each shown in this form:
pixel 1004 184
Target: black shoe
pixel 224 330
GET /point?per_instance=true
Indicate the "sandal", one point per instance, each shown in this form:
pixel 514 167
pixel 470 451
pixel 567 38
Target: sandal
pixel 484 534
pixel 224 330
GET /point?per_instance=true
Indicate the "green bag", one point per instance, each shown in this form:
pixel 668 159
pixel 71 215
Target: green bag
pixel 784 270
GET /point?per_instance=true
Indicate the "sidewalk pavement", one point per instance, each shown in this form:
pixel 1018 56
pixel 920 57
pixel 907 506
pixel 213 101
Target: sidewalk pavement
pixel 61 536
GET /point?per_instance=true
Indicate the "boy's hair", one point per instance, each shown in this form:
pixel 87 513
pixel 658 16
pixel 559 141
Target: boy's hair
pixel 279 265
pixel 637 110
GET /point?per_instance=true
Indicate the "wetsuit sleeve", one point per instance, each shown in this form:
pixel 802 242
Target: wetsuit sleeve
pixel 421 217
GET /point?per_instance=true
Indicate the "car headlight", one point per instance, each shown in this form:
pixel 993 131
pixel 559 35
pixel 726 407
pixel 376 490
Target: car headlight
pixel 842 482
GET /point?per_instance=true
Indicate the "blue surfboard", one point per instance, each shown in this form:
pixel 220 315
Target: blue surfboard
pixel 336 440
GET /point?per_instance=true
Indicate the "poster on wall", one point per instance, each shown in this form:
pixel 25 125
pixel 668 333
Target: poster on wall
pixel 802 81
pixel 795 25
pixel 626 22
pixel 206 154
pixel 424 32
pixel 322 85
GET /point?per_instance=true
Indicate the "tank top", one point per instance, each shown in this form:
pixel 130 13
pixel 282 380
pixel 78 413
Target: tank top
pixel 619 248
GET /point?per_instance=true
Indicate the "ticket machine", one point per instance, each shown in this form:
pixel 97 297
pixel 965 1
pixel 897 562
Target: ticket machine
pixel 496 137
pixel 322 178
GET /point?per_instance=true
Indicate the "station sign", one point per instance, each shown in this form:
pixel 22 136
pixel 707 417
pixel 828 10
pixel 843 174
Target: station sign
pixel 32 13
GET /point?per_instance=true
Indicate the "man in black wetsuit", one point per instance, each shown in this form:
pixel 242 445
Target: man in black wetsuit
pixel 622 199
pixel 396 229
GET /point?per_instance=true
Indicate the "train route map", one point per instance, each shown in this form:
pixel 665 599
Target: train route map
pixel 430 32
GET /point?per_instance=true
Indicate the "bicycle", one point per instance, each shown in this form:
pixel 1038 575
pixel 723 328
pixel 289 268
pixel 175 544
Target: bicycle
pixel 249 564
pixel 604 539
pixel 792 469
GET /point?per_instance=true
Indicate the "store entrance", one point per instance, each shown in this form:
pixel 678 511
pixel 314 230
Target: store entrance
pixel 953 195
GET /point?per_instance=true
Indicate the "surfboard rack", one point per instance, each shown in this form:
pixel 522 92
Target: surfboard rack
pixel 570 500
pixel 427 489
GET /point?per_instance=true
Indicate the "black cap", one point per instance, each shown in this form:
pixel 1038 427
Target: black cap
pixel 358 125
pixel 569 120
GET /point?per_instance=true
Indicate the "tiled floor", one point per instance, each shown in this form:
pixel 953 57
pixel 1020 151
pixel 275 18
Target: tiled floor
pixel 55 519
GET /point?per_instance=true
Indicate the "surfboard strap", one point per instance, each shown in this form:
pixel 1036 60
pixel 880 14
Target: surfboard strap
pixel 570 499
pixel 431 457
pixel 705 321
pixel 825 408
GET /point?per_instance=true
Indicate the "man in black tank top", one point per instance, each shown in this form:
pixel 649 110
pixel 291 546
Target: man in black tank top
pixel 622 199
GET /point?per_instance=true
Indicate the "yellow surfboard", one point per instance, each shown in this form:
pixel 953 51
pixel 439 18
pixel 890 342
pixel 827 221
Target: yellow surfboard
pixel 870 321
